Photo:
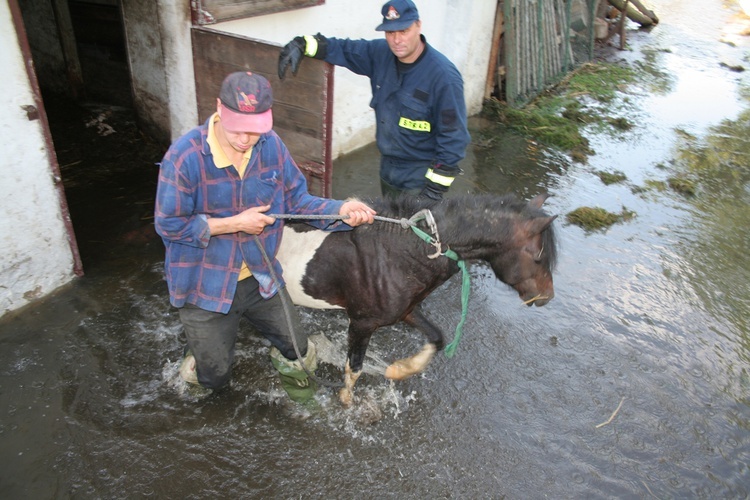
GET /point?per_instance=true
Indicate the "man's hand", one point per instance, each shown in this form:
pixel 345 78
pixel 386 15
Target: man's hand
pixel 358 213
pixel 251 221
pixel 291 54
pixel 432 191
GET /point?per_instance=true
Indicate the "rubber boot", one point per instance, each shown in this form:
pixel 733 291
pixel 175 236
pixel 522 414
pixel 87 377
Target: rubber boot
pixel 294 378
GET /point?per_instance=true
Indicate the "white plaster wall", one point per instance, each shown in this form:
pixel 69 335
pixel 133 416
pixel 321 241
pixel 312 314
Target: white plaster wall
pixel 36 257
pixel 461 30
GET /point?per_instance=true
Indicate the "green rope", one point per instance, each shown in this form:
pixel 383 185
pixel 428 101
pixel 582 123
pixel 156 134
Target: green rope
pixel 450 349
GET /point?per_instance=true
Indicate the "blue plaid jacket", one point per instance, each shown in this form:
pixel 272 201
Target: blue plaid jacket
pixel 202 269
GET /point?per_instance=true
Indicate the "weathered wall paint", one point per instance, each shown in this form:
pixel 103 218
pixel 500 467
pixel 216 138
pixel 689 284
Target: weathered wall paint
pixel 37 255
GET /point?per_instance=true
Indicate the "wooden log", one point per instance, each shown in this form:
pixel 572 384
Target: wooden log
pixel 646 12
pixel 643 17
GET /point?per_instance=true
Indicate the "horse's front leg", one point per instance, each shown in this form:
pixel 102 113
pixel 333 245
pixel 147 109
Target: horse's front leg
pixel 406 367
pixel 359 338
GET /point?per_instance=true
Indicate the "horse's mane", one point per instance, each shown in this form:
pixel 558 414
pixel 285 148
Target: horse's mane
pixel 407 205
pixel 469 213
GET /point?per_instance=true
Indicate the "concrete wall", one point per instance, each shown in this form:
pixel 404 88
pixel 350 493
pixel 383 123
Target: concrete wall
pixel 147 71
pixel 160 60
pixel 174 24
pixel 37 256
pixel 461 30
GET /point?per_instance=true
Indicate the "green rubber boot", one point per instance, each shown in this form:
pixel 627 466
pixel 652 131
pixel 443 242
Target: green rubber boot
pixel 294 378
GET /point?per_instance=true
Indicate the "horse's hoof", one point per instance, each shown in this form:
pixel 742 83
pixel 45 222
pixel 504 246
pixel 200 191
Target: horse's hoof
pixel 405 368
pixel 396 371
pixel 345 396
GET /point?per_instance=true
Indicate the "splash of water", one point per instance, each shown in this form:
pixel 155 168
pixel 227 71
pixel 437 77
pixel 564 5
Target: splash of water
pixel 334 352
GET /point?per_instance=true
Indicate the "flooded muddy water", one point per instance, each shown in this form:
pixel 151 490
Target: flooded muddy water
pixel 633 382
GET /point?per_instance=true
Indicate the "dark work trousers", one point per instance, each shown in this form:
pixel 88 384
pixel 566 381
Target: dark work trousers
pixel 211 336
pixel 391 191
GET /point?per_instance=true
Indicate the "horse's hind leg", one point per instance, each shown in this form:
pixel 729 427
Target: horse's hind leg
pixel 359 339
pixel 406 367
pixel 350 378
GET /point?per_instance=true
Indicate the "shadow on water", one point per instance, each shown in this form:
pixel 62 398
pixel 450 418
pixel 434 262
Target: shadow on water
pixel 649 317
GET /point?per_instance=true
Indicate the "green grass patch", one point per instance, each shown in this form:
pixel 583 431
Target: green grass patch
pixel 556 116
pixel 682 185
pixel 611 177
pixel 596 218
pixel 600 81
pixel 650 185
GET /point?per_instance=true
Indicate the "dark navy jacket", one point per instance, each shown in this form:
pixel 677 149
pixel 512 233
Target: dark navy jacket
pixel 430 91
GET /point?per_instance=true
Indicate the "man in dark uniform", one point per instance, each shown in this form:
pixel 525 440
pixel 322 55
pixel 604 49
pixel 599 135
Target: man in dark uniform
pixel 417 95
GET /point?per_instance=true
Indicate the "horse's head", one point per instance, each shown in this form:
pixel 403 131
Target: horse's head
pixel 527 262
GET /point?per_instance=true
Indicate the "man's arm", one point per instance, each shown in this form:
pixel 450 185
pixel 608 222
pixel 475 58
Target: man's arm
pixel 452 140
pixel 174 212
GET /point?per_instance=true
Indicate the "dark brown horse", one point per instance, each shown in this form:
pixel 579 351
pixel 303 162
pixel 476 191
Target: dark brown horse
pixel 380 273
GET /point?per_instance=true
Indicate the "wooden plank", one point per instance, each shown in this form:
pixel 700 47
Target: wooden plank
pixel 214 11
pixel 492 70
pixel 302 104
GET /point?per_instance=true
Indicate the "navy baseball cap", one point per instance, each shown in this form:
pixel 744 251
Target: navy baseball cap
pixel 398 15
pixel 246 99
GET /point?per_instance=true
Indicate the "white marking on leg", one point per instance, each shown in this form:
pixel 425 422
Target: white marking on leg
pixel 405 368
pixel 350 378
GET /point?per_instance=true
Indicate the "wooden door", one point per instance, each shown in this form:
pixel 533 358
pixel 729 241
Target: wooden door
pixel 302 107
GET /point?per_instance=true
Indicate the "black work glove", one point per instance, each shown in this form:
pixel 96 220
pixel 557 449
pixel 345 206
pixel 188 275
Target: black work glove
pixel 432 191
pixel 292 53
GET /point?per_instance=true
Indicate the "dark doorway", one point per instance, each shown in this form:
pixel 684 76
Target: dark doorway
pixel 107 164
pixel 102 52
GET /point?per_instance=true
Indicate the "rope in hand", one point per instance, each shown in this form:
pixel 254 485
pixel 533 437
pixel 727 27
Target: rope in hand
pixel 404 222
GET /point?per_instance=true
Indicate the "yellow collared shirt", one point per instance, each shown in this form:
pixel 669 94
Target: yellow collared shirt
pixel 221 160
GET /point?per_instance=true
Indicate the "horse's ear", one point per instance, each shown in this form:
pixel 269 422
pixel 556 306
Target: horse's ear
pixel 538 224
pixel 538 200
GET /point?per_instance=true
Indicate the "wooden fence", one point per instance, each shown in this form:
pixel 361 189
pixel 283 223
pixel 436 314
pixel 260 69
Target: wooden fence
pixel 544 40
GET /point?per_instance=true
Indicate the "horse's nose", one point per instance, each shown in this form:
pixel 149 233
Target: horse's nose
pixel 545 298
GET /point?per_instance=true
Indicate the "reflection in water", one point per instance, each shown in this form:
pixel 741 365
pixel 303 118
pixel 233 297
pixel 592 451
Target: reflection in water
pixel 505 162
pixel 717 250
pixel 652 72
